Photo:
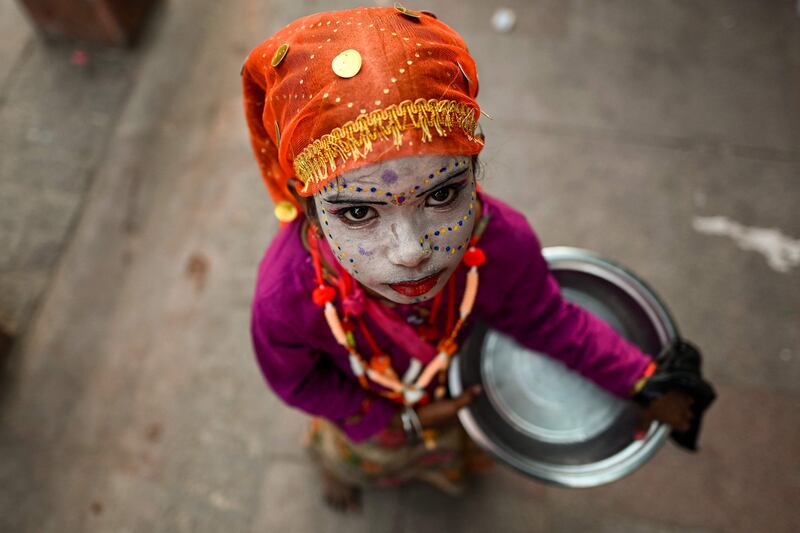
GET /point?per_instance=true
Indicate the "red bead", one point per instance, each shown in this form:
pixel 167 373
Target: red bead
pixel 323 294
pixel 428 332
pixel 474 257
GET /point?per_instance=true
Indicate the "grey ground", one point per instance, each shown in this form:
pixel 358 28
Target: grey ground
pixel 132 218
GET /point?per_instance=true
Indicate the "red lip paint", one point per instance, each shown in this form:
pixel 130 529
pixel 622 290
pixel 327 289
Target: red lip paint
pixel 416 288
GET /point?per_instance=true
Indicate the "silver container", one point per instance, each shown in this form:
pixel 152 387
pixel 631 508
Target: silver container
pixel 549 422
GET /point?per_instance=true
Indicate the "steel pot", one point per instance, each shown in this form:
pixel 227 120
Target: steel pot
pixel 546 421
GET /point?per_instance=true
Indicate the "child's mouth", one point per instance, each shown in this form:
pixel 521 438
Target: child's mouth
pixel 418 287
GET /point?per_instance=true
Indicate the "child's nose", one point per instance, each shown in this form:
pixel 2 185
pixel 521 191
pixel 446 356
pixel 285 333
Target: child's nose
pixel 405 249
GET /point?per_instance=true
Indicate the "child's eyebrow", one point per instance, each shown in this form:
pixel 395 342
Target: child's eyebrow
pixel 361 201
pixel 432 187
pixel 353 201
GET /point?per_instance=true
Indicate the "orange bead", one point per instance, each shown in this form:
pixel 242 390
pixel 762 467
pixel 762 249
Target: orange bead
pixel 380 363
pixel 448 346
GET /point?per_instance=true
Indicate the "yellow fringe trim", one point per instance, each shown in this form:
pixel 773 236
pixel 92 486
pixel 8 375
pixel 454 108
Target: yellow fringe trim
pixel 354 138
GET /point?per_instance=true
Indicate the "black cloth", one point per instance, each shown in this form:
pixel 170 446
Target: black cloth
pixel 679 367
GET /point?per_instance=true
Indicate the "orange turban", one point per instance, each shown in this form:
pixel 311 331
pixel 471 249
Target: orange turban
pixel 337 90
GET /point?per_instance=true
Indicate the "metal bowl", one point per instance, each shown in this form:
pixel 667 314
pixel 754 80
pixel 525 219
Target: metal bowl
pixel 545 420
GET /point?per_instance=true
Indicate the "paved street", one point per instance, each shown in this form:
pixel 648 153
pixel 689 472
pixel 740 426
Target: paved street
pixel 664 135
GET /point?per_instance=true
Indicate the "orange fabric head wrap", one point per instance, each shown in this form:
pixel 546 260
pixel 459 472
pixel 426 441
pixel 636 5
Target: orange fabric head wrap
pixel 338 90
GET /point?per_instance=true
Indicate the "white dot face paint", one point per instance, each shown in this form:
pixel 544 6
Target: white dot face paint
pixel 401 227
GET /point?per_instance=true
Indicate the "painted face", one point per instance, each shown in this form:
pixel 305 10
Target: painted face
pixel 401 227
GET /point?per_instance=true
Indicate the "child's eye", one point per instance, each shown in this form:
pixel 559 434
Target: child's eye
pixel 356 214
pixel 443 196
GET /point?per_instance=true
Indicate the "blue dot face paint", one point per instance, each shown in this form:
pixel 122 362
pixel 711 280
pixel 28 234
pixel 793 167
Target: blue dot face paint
pixel 434 234
pixel 401 226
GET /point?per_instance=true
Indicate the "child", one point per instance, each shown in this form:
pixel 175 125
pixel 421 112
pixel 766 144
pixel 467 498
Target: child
pixel 364 123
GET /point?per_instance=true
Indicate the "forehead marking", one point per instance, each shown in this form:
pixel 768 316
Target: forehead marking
pixel 389 177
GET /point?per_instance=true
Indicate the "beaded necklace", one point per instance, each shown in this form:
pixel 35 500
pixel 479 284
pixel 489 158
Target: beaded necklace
pixel 410 389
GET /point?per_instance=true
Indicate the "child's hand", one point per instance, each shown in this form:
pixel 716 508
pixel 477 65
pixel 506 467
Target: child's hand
pixel 676 394
pixel 673 408
pixel 442 412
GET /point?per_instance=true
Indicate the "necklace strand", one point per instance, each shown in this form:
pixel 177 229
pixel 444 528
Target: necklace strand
pixel 411 389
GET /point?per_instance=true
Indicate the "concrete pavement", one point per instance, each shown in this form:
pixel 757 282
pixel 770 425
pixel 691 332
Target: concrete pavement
pixel 133 218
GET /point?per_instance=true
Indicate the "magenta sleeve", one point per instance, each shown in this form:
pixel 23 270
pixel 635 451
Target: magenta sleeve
pixel 309 380
pixel 537 316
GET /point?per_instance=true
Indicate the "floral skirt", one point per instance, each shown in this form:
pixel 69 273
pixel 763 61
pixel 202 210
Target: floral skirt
pixel 387 459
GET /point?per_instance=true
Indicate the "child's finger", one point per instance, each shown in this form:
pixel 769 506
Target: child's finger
pixel 466 397
pixel 642 425
pixel 684 421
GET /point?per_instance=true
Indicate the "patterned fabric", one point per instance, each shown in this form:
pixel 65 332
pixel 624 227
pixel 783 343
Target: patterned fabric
pixel 338 90
pixel 387 460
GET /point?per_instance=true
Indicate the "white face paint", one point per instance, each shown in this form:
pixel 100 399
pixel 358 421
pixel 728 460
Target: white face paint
pixel 401 227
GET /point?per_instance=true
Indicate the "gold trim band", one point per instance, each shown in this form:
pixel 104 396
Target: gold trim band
pixel 354 138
